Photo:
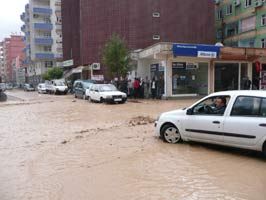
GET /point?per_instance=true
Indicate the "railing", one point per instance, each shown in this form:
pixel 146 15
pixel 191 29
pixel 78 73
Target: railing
pixel 43 26
pixel 43 41
pixel 44 55
pixel 45 11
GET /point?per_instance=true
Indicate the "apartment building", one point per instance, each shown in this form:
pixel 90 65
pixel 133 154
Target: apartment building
pixel 241 23
pixel 11 48
pixel 43 37
pixel 88 24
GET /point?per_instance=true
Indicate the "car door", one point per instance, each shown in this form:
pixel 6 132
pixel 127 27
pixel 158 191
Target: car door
pixel 204 126
pixel 92 93
pixel 78 90
pixel 246 123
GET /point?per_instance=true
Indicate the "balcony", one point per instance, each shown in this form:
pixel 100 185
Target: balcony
pixel 23 16
pixel 43 11
pixel 23 28
pixel 44 56
pixel 44 41
pixel 43 26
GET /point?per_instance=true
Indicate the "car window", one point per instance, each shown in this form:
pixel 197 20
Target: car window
pixel 215 105
pixel 246 106
pixel 263 108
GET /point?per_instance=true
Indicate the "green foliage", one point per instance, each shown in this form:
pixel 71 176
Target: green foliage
pixel 116 57
pixel 53 73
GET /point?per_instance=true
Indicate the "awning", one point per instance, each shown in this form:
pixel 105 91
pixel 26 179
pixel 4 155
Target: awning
pixel 76 70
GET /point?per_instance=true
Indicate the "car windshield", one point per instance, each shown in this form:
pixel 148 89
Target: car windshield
pixel 107 88
pixel 59 84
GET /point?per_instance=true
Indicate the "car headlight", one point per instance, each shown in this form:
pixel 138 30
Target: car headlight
pixel 108 97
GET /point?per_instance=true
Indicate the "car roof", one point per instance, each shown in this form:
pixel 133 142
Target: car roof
pixel 258 93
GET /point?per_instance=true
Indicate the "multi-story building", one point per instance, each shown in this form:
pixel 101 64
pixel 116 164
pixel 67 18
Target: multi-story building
pixel 43 37
pixel 88 24
pixel 2 69
pixel 241 23
pixel 12 47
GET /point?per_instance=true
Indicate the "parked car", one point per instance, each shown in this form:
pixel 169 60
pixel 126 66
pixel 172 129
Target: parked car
pixel 106 93
pixel 42 88
pixel 2 87
pixel 9 86
pixel 80 87
pixel 242 123
pixel 56 87
pixel 28 87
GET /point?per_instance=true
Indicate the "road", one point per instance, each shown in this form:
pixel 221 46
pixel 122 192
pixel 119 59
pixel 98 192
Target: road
pixel 61 148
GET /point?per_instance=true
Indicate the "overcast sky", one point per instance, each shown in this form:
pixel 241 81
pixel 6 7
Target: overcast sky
pixel 10 22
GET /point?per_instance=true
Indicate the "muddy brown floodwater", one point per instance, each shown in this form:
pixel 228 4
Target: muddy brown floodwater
pixel 52 147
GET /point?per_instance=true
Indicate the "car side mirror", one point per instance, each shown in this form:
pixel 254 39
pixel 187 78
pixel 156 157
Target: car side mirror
pixel 189 111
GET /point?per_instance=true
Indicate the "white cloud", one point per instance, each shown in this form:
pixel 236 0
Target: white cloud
pixel 10 12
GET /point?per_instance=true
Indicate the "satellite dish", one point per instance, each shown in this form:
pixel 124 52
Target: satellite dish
pixel 219 44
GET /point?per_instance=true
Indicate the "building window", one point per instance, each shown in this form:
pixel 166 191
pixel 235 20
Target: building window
pixel 263 43
pixel 155 14
pixel 263 20
pixel 248 24
pixel 219 14
pixel 229 9
pixel 48 63
pixel 248 3
pixel 156 37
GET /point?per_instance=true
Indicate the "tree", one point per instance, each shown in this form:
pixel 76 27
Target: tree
pixel 53 73
pixel 116 56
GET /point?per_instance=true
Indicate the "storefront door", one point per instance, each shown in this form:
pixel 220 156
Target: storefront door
pixel 226 76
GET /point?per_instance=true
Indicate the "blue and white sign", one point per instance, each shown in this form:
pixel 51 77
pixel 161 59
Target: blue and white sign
pixel 199 50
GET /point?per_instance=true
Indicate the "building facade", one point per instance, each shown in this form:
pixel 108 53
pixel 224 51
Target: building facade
pixel 241 23
pixel 88 24
pixel 196 69
pixel 43 37
pixel 11 48
pixel 2 69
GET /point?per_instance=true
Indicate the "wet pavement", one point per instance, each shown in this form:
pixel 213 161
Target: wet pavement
pixel 56 147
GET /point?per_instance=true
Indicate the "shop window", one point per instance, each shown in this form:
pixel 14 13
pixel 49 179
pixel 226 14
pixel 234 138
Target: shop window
pixel 248 3
pixel 48 64
pixel 263 20
pixel 229 9
pixel 189 78
pixel 226 76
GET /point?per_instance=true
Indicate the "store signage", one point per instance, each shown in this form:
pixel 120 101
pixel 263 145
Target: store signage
pixel 98 78
pixel 207 54
pixel 191 66
pixel 178 65
pixel 190 50
pixel 68 63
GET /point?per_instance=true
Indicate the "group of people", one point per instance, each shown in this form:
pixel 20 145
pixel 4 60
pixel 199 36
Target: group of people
pixel 141 88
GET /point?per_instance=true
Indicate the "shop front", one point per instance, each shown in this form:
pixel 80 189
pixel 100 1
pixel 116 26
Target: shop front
pixel 193 70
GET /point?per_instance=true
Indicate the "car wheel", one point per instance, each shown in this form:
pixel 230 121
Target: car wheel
pixel 170 134
pixel 75 95
pixel 101 100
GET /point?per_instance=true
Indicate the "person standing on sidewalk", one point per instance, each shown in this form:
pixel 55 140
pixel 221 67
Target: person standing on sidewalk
pixel 136 88
pixel 153 88
pixel 147 88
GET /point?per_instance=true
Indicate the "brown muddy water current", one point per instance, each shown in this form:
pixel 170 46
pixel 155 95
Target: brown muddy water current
pixel 54 148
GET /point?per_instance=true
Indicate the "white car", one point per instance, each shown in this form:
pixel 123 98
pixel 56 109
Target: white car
pixel 42 88
pixel 56 87
pixel 241 124
pixel 105 93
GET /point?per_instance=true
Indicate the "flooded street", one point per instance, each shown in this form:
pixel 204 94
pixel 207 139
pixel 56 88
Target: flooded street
pixel 58 148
